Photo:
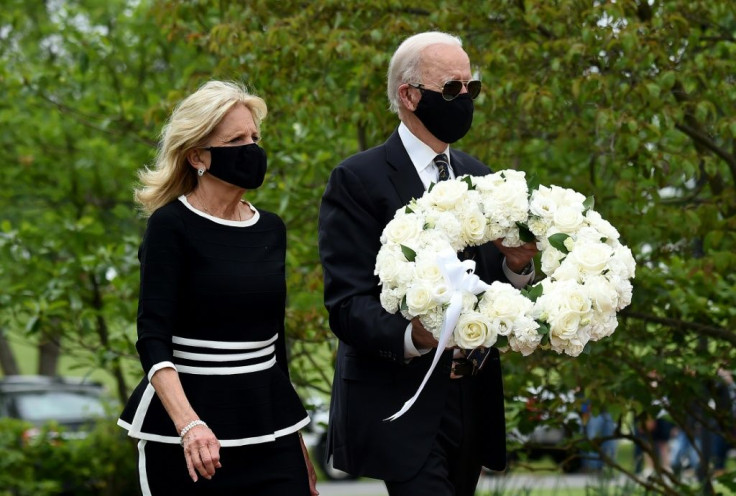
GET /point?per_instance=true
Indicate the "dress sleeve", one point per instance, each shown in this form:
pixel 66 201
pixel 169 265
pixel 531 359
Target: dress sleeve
pixel 162 260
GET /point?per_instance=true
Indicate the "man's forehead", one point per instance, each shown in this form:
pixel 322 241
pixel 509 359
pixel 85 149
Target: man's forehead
pixel 442 59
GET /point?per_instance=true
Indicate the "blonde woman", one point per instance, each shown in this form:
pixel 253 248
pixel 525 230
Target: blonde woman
pixel 216 412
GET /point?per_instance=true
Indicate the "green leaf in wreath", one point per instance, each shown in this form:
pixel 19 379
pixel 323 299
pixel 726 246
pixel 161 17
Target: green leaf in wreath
pixel 469 181
pixel 408 210
pixel 408 253
pixel 478 297
pixel 533 293
pixel 404 306
pixel 524 233
pixel 558 241
pixel 502 342
pixel 532 183
pixel 588 204
pixel 543 329
pixel 431 185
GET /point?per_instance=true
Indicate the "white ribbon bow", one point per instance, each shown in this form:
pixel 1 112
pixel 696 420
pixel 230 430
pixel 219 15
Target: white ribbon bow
pixel 460 277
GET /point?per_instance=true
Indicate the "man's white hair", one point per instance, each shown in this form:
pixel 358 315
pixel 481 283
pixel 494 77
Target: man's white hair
pixel 406 61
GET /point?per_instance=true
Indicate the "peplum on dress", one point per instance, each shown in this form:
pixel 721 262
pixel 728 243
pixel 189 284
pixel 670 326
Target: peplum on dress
pixel 211 305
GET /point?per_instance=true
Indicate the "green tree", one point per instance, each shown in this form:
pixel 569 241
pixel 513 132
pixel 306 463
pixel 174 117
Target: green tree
pixel 85 87
pixel 632 102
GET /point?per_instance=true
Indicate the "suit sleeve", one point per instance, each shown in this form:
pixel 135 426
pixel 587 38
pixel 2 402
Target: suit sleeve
pixel 162 262
pixel 350 226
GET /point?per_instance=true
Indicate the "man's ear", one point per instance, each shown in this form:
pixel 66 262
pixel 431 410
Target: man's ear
pixel 409 98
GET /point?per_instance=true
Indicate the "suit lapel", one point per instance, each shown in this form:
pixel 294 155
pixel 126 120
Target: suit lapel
pixel 458 166
pixel 403 175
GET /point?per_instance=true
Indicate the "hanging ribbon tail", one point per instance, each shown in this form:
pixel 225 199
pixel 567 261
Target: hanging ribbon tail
pixel 451 317
pixel 460 277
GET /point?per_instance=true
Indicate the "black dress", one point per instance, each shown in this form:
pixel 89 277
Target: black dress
pixel 211 305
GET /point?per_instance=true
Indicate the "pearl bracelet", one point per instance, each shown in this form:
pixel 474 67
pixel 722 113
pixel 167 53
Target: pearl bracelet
pixel 189 427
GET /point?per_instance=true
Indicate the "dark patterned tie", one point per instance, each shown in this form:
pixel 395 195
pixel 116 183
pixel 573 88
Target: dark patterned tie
pixel 477 356
pixel 443 167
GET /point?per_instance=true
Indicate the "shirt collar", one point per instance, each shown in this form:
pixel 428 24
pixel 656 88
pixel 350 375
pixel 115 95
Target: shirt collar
pixel 421 155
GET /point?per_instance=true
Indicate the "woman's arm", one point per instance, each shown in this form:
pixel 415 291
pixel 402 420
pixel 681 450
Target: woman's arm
pixel 201 447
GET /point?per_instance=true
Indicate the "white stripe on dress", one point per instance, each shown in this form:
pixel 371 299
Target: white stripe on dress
pixel 245 369
pixel 145 488
pixel 209 357
pixel 223 345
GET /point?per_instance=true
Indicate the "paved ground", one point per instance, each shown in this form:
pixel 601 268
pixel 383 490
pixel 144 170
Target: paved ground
pixel 512 483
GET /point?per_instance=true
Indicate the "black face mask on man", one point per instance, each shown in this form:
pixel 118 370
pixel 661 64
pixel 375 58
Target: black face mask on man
pixel 447 121
pixel 244 166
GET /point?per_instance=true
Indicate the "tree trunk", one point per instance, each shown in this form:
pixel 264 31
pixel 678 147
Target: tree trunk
pixel 48 357
pixel 8 364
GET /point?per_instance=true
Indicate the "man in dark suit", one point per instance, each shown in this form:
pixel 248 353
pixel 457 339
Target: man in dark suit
pixel 457 423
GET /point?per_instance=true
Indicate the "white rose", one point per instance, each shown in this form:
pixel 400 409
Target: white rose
pixel 489 182
pixel 567 219
pixel 389 266
pixel 473 228
pixel 541 203
pixel 623 262
pixel 602 294
pixel 503 325
pixel 551 258
pixel 473 330
pixel 446 194
pixel 503 300
pixel 601 225
pixel 568 270
pixel 624 290
pixel 402 228
pixel 419 299
pixel 564 324
pixel 591 257
pixel 426 268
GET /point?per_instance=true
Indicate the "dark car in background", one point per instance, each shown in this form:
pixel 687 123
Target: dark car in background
pixel 73 404
pixel 549 423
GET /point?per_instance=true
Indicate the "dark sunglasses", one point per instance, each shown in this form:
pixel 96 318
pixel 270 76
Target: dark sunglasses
pixel 452 88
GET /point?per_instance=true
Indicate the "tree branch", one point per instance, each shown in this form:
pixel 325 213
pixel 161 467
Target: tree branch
pixel 682 325
pixel 711 145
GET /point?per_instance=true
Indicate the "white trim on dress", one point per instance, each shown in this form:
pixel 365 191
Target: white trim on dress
pixel 223 345
pixel 224 222
pixel 227 443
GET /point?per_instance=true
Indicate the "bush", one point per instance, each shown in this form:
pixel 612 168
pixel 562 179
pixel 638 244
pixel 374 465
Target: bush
pixel 103 463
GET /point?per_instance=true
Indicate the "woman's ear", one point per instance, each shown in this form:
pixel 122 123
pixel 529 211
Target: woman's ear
pixel 195 159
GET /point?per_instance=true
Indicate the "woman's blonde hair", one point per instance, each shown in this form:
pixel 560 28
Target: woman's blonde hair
pixel 189 126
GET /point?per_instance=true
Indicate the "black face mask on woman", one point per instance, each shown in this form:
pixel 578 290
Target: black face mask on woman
pixel 244 166
pixel 447 121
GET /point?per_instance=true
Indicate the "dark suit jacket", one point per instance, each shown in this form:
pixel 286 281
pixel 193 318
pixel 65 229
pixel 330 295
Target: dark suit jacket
pixel 372 379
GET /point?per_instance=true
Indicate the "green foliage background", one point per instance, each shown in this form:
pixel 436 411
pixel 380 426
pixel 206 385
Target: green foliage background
pixel 632 102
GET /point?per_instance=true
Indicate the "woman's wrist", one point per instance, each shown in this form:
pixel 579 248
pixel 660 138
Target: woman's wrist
pixel 190 426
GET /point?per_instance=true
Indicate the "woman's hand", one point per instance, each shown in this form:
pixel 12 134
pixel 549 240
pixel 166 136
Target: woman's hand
pixel 311 474
pixel 202 452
